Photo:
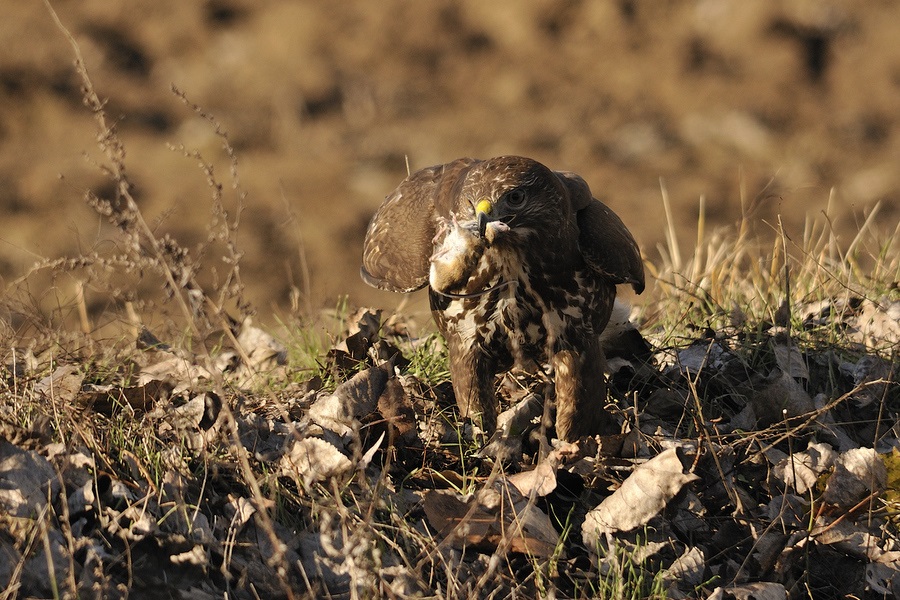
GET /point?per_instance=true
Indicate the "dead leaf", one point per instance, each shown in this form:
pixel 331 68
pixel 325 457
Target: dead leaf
pixel 106 399
pixel 892 468
pixel 364 330
pixel 539 481
pixel 780 397
pixel 395 406
pixel 829 429
pixel 369 454
pixel 761 590
pixel 26 478
pixel 857 473
pixel 449 514
pixel 802 469
pixel 642 495
pixel 884 578
pixel 31 438
pixel 241 510
pixel 529 521
pixel 852 539
pixel 314 459
pixel 687 569
pixel 873 376
pixel 790 360
pixel 667 403
pixel 146 340
pixel 702 355
pixel 62 385
pixel 471 523
pixel 789 511
pixel 183 374
pixel 351 400
pixel 768 548
pixel 187 416
pixel 877 323
pixel 262 350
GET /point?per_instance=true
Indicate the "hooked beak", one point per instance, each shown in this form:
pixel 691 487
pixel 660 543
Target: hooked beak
pixel 483 214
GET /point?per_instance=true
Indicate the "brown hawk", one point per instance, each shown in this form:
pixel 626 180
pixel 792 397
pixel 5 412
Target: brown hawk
pixel 522 264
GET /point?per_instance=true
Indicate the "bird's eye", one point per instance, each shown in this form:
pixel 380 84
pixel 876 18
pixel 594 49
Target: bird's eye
pixel 515 198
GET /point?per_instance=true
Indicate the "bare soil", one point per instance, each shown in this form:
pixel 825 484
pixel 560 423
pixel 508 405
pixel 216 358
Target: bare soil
pixel 791 106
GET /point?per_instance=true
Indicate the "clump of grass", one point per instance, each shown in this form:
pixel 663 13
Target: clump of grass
pixel 735 279
pixel 627 574
pixel 429 360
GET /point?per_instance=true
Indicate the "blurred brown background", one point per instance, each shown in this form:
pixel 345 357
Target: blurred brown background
pixel 780 102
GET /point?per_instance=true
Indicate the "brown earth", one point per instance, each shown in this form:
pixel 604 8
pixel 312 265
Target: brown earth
pixel 792 105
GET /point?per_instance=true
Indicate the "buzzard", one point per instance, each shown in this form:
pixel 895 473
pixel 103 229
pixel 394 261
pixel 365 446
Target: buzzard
pixel 522 264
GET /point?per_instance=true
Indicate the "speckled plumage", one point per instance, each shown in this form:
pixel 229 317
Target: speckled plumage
pixel 532 280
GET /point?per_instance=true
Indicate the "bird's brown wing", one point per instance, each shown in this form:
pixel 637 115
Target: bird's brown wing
pixel 400 238
pixel 606 244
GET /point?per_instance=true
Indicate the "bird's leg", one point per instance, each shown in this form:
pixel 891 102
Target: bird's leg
pixel 580 393
pixel 473 376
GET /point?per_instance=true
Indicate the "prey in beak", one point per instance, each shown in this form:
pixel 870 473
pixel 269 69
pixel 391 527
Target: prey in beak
pixel 488 226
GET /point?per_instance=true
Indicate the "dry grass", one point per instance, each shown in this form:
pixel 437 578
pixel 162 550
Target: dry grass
pixel 733 276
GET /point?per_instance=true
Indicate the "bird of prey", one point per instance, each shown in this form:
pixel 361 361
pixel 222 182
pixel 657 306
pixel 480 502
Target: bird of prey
pixel 522 264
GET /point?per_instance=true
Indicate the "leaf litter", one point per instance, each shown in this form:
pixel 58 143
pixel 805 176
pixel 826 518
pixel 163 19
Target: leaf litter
pixel 747 467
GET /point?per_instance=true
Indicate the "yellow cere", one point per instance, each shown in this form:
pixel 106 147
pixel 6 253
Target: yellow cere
pixel 483 206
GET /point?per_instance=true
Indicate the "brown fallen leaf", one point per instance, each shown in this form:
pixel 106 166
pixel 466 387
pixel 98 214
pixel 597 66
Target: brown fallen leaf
pixel 877 323
pixel 62 385
pixel 781 396
pixel 640 498
pixel 802 469
pixel 884 578
pixel 687 569
pixel 395 405
pixel 261 349
pixel 857 473
pixel 762 590
pixel 540 480
pixel 449 515
pixel 471 524
pixel 874 377
pixel 363 332
pixel 27 481
pixel 105 399
pixel 314 459
pixel 180 372
pixel 790 360
pixel 351 400
pixel 701 355
pixel 853 539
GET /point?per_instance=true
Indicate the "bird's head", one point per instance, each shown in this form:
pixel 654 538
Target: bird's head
pixel 448 216
pixel 513 198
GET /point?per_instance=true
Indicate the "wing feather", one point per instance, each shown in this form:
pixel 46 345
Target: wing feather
pixel 606 244
pixel 400 239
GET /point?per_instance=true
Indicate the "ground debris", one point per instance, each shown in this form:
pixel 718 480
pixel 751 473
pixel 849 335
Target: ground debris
pixel 740 460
